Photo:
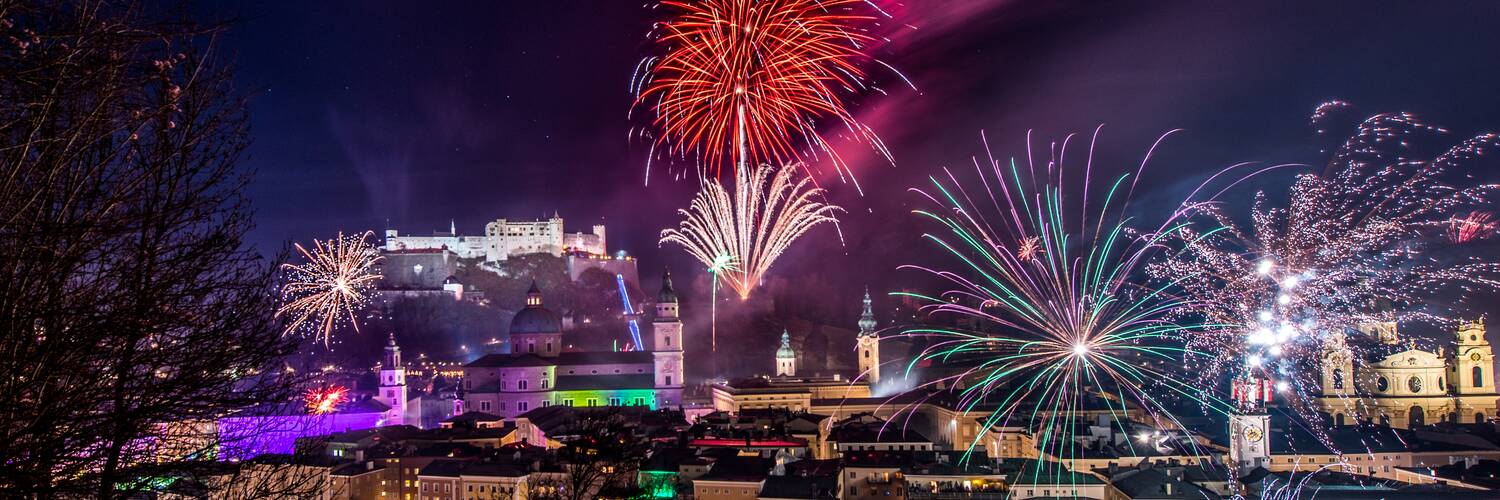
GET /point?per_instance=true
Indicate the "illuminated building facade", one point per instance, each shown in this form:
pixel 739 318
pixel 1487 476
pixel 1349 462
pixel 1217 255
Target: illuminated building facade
pixel 537 373
pixel 1404 385
pixel 503 238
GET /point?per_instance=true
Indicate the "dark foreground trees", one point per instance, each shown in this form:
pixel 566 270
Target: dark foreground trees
pixel 131 314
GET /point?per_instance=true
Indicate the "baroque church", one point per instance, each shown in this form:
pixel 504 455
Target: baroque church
pixel 1403 384
pixel 539 373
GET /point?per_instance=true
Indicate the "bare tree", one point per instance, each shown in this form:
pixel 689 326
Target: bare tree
pixel 600 457
pixel 132 315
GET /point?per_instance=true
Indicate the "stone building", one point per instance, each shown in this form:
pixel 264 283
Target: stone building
pixel 538 372
pixel 1404 384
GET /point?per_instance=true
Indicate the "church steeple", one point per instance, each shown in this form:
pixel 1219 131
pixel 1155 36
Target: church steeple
pixel 867 343
pixel 392 353
pixel 867 318
pixel 786 358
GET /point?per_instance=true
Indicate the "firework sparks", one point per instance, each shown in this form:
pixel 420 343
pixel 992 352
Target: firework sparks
pixel 1349 250
pixel 1475 226
pixel 1078 331
pixel 744 77
pixel 327 289
pixel 323 400
pixel 739 235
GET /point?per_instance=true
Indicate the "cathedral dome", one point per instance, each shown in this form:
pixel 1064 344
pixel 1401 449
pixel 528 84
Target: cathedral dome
pixel 534 318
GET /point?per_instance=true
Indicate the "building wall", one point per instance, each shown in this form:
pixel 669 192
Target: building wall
pixel 725 490
pixel 871 482
pixel 503 238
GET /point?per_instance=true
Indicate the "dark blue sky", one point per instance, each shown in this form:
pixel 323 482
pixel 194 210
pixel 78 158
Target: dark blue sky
pixel 416 113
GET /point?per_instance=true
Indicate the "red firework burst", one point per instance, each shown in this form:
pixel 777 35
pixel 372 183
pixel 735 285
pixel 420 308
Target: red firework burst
pixel 321 400
pixel 1475 226
pixel 743 79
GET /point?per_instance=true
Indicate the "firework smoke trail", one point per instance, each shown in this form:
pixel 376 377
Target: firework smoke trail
pixel 769 209
pixel 1355 246
pixel 322 400
pixel 782 64
pixel 326 290
pixel 1060 283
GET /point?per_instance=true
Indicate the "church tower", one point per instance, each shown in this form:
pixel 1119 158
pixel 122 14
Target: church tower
pixel 666 330
pixel 1249 425
pixel 458 399
pixel 392 384
pixel 1338 395
pixel 786 358
pixel 868 343
pixel 1471 373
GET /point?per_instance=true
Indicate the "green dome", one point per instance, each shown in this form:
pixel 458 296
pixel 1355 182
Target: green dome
pixel 785 351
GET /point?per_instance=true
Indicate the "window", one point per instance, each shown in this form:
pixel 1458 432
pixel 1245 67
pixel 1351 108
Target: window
pixel 614 401
pixel 669 379
pixel 567 402
pixel 640 401
pixel 867 354
pixel 1338 378
pixel 484 406
pixel 390 393
pixel 531 347
pixel 1478 377
pixel 1381 384
pixel 544 382
pixel 520 406
pixel 521 385
pixel 502 406
pixel 669 339
pixel 549 347
pixel 593 401
pixel 1414 383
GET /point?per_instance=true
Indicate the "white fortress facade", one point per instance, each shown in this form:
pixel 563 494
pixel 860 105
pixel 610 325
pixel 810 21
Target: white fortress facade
pixel 503 238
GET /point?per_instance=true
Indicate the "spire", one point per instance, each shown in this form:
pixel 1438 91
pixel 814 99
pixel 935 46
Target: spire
pixel 785 351
pixel 452 227
pixel 392 353
pixel 534 296
pixel 667 294
pixel 867 318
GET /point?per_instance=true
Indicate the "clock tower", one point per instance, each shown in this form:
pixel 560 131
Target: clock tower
pixel 1249 425
pixel 868 344
pixel 1471 373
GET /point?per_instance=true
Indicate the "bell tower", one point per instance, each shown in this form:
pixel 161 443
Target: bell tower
pixel 392 383
pixel 1473 366
pixel 868 343
pixel 666 330
pixel 786 358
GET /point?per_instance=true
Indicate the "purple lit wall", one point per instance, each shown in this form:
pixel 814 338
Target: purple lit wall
pixel 241 438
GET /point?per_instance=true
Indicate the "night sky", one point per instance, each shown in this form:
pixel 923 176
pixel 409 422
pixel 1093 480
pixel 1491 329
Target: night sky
pixel 412 114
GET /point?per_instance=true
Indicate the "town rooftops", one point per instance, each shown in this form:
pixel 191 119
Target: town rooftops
pixel 739 469
pixel 795 488
pixel 472 417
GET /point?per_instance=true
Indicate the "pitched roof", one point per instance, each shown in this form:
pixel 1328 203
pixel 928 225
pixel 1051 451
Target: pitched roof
pixel 509 361
pixel 793 487
pixel 747 469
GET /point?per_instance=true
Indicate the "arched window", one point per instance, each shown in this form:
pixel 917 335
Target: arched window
pixel 867 354
pixel 1381 384
pixel 1416 417
pixel 1338 379
pixel 1339 419
pixel 1478 377
pixel 1478 418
